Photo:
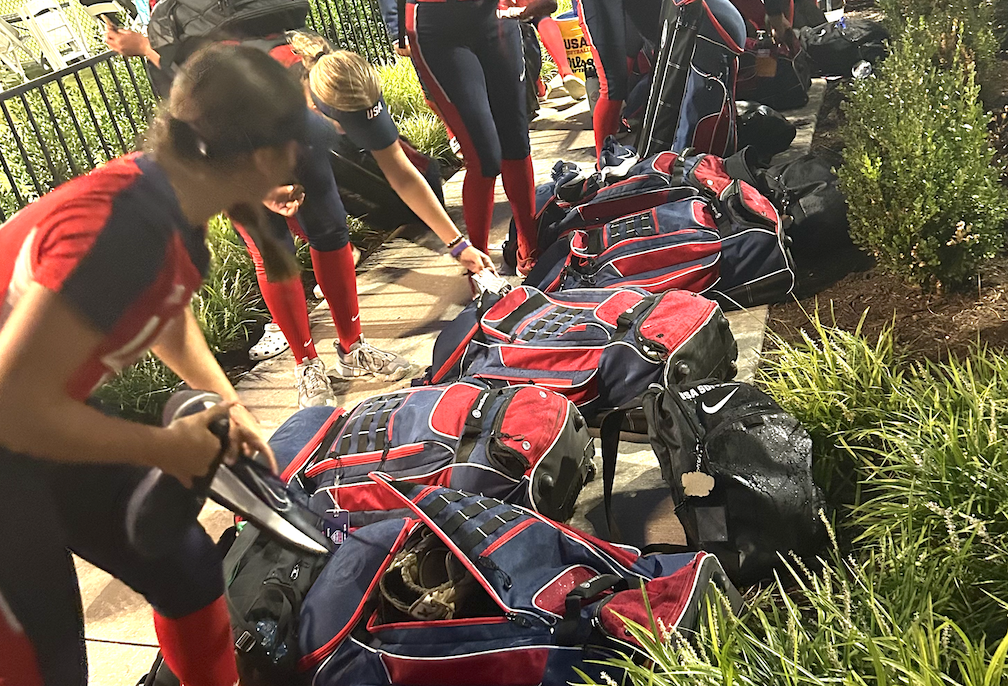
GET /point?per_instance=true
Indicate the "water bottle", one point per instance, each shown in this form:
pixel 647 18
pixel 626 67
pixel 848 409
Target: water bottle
pixel 862 70
pixel 160 509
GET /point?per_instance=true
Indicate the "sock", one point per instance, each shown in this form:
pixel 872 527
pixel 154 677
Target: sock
pixel 18 664
pixel 477 207
pixel 605 120
pixel 549 34
pixel 285 301
pixel 337 276
pixel 199 647
pixel 519 184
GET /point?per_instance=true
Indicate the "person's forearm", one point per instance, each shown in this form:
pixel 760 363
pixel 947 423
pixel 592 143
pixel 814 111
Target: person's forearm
pixel 183 348
pixel 153 57
pixel 411 186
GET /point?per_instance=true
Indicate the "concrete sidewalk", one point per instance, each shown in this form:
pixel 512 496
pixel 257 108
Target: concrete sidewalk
pixel 408 289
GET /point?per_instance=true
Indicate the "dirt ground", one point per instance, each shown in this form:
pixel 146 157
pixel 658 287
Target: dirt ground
pixel 846 283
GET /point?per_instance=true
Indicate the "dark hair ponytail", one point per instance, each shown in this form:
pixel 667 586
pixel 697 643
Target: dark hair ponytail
pixel 227 101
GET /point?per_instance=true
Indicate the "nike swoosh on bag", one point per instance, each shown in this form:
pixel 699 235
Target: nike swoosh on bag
pixel 711 409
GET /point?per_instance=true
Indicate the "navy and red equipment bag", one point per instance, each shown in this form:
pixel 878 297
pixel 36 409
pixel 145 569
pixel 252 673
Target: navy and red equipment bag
pixel 601 348
pixel 522 444
pixel 692 98
pixel 715 235
pixel 479 591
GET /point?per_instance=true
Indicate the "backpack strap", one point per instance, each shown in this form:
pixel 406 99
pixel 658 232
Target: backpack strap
pixel 401 18
pixel 609 432
pixel 473 427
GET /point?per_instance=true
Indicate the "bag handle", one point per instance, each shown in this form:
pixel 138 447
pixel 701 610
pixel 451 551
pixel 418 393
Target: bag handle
pixel 567 628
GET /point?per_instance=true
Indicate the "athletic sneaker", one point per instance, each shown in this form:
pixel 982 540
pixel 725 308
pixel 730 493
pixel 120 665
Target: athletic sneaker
pixel 313 384
pixel 556 88
pixel 575 187
pixel 364 359
pixel 575 86
pixel 615 160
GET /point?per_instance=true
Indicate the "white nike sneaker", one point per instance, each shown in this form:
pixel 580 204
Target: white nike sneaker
pixel 313 385
pixel 366 360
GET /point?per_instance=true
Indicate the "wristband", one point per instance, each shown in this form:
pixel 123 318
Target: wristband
pixel 455 241
pixel 458 249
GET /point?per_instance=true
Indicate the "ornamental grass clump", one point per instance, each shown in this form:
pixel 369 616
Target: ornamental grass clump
pixel 417 123
pixel 922 194
pixel 915 587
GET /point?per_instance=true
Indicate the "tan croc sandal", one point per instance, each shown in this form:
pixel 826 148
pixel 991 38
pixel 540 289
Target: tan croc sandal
pixel 270 345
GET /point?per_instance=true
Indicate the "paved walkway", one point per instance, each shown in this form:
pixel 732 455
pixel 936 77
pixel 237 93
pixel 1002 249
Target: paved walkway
pixel 408 289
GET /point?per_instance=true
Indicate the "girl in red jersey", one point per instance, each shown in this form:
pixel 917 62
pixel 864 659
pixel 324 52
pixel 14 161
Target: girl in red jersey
pixel 93 275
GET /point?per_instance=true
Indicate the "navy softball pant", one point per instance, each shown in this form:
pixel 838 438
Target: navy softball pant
pixel 48 509
pixel 473 65
pixel 604 24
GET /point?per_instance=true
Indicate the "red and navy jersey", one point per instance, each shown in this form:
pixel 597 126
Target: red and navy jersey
pixel 115 245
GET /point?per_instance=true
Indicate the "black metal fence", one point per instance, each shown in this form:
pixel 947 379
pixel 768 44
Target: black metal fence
pixel 65 123
pixel 352 25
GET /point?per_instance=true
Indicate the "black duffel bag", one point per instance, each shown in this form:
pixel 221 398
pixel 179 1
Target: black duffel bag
pixel 835 47
pixel 740 471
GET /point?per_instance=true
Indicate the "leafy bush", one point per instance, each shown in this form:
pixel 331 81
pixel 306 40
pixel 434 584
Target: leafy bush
pixel 922 194
pixel 835 628
pixel 978 19
pixel 139 392
pixel 229 303
pixel 925 444
pixel 427 134
pixel 401 89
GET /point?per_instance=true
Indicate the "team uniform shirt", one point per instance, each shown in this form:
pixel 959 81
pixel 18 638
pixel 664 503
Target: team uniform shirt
pixel 115 245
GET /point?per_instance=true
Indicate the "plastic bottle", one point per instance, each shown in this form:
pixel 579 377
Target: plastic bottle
pixel 862 70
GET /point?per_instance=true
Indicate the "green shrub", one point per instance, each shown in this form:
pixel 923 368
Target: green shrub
pixel 978 19
pixel 427 134
pixel 401 89
pixel 925 443
pixel 834 628
pixel 229 303
pixel 139 392
pixel 922 194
